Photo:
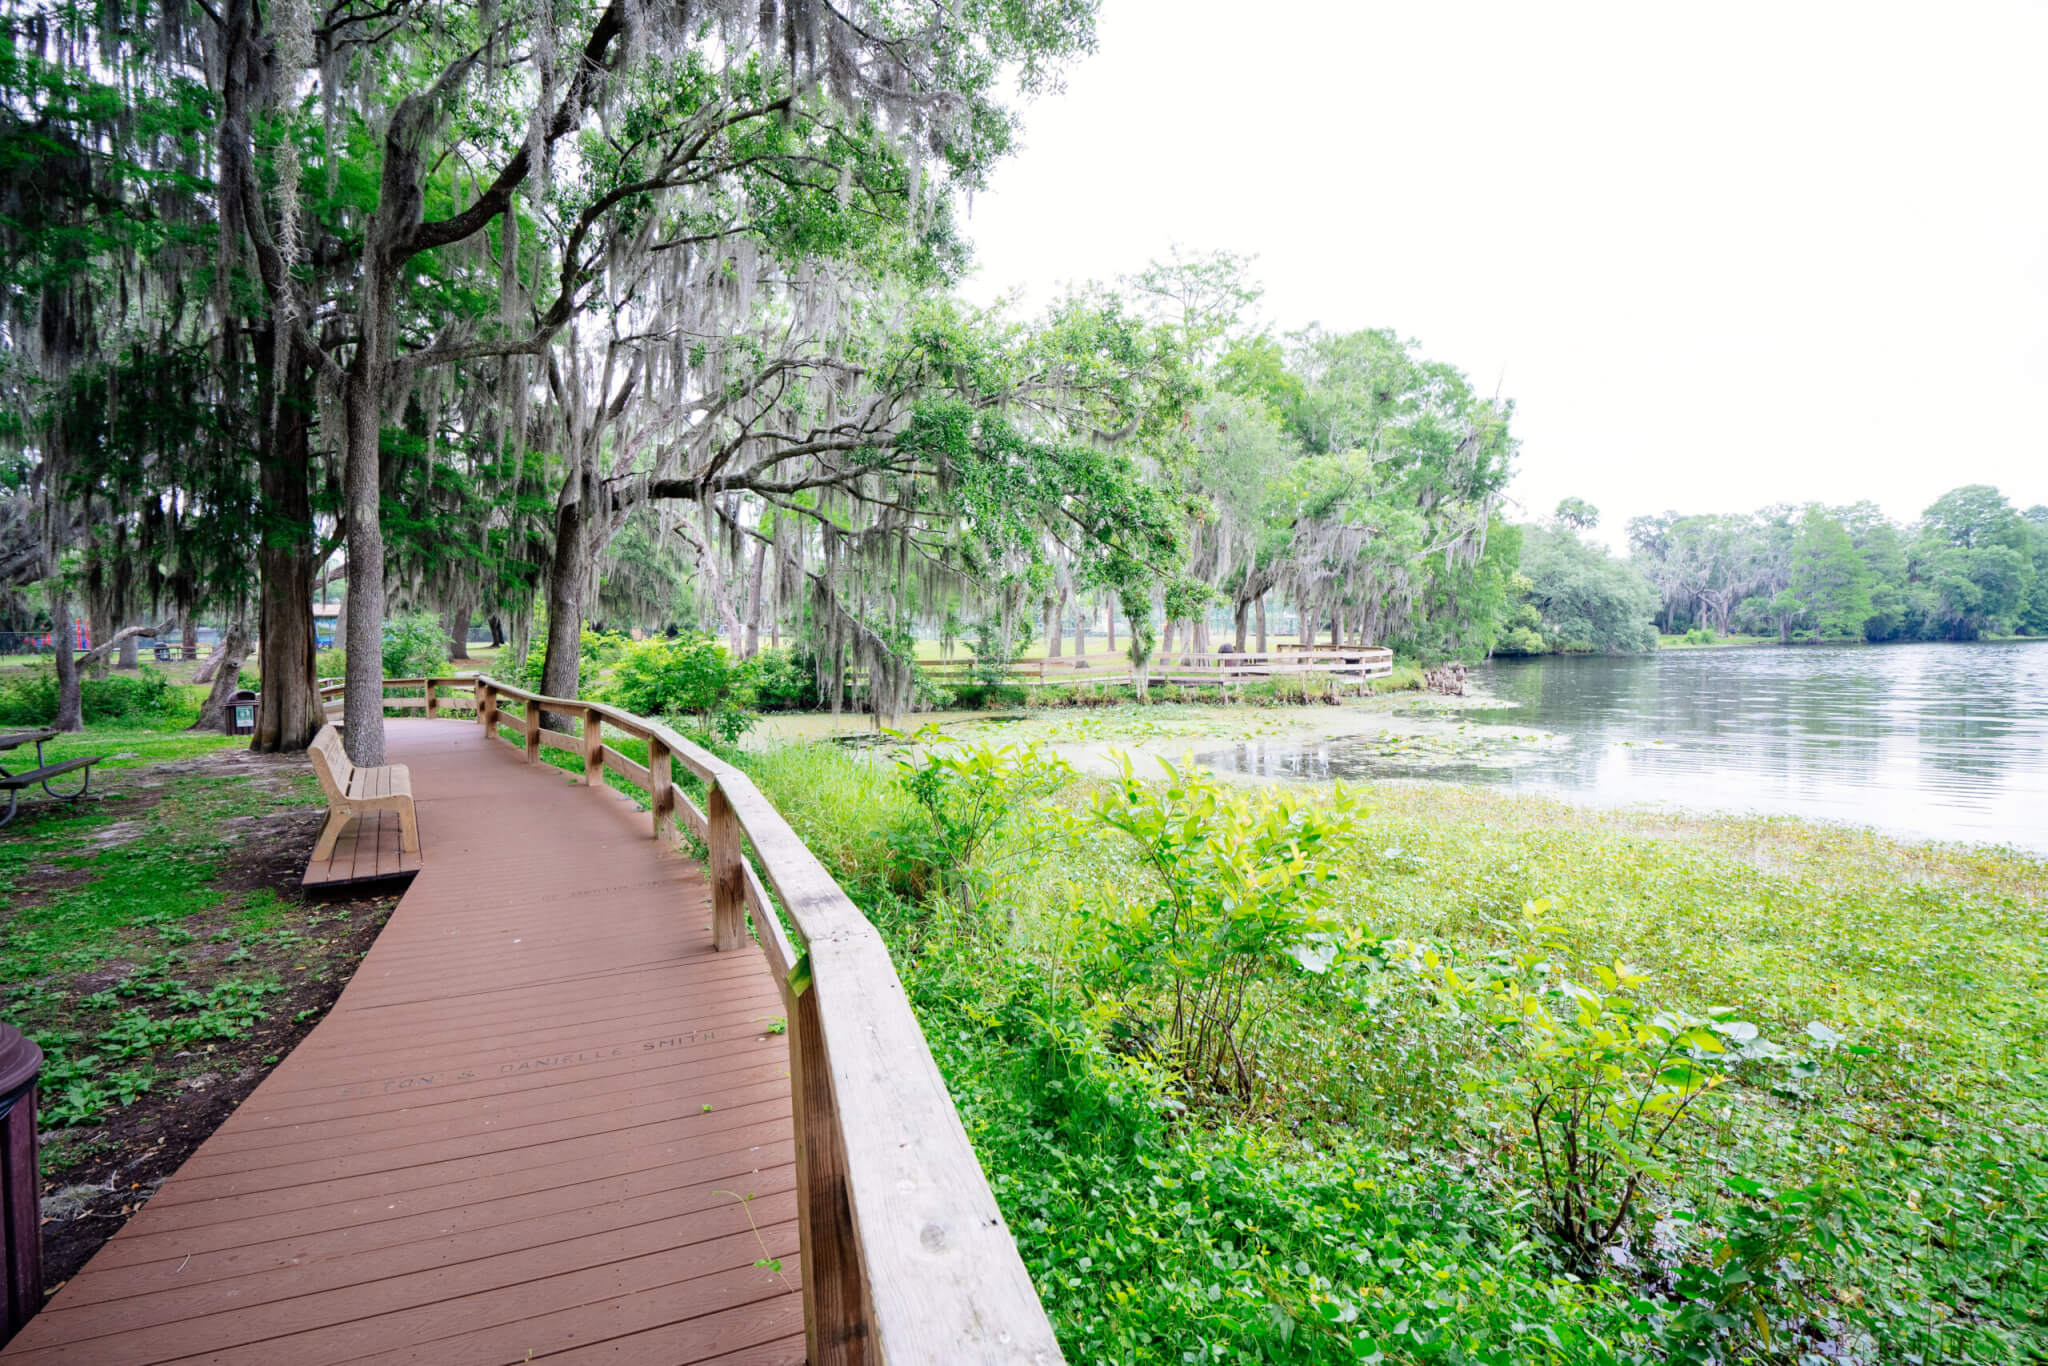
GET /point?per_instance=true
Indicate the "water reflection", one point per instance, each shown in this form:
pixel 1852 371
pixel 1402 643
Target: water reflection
pixel 1943 741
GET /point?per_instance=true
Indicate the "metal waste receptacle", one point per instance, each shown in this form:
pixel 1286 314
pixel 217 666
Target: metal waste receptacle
pixel 21 1200
pixel 239 716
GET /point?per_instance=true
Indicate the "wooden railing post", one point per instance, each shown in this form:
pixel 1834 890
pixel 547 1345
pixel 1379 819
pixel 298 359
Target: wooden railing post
pixel 532 731
pixel 21 1234
pixel 484 698
pixel 728 881
pixel 835 1322
pixel 593 748
pixel 661 791
pixel 431 700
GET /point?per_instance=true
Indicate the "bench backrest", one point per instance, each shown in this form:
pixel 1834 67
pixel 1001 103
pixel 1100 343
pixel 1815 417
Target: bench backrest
pixel 331 763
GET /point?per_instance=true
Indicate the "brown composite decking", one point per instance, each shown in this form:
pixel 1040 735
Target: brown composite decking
pixel 546 1121
pixel 369 850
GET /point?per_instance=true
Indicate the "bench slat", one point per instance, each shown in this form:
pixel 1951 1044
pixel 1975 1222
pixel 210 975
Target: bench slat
pixel 37 775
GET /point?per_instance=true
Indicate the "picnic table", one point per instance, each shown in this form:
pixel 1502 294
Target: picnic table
pixel 15 783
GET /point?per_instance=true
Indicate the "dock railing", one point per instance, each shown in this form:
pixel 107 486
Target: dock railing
pixel 906 1258
pixel 1186 668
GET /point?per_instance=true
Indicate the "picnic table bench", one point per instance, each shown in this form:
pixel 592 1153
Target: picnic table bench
pixel 14 784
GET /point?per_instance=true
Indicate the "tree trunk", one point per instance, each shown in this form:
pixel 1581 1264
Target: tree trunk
pixel 234 648
pixel 70 697
pixel 1259 612
pixel 1109 622
pixel 363 685
pixel 1081 614
pixel 497 632
pixel 1199 635
pixel 288 712
pixel 561 667
pixel 189 637
pixel 1243 613
pixel 756 580
pixel 458 629
pixel 128 657
pixel 1055 640
pixel 1166 640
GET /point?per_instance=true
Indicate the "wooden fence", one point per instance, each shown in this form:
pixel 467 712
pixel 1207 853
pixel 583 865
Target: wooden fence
pixel 906 1258
pixel 1184 668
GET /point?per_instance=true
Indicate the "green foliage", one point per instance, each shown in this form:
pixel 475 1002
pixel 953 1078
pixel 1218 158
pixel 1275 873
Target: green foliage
pixel 962 797
pixel 690 677
pixel 780 680
pixel 1870 1178
pixel 1238 885
pixel 148 698
pixel 1585 599
pixel 415 646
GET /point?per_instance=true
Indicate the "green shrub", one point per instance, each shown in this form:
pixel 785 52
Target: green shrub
pixel 781 680
pixel 415 646
pixel 30 699
pixel 964 796
pixel 689 677
pixel 330 664
pixel 1238 885
pixel 1700 635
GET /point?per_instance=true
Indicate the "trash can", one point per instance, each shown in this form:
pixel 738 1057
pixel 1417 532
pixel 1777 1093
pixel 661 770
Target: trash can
pixel 163 650
pixel 239 716
pixel 21 1202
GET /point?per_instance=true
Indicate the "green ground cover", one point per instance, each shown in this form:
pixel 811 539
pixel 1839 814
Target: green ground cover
pixel 1850 1030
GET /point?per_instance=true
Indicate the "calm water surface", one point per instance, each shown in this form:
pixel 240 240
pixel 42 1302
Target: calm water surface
pixel 1937 741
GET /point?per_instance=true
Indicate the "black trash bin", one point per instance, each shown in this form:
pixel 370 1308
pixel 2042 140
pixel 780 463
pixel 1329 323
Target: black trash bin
pixel 21 1205
pixel 239 716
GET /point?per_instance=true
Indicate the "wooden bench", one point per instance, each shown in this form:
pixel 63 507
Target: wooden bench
pixel 353 791
pixel 14 784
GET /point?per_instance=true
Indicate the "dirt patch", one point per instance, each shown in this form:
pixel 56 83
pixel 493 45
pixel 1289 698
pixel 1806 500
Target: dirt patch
pixel 214 944
pixel 122 1161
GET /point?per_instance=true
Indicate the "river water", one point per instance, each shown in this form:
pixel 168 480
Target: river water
pixel 1935 741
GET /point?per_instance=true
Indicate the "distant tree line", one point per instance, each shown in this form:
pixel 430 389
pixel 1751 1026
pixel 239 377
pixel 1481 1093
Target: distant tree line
pixel 1972 566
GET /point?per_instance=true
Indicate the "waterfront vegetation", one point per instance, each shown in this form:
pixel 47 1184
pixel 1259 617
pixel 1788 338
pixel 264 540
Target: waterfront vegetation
pixel 1426 1074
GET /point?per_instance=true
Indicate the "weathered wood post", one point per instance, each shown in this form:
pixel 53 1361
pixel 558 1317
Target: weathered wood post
pixel 835 1300
pixel 433 702
pixel 593 747
pixel 483 705
pixel 728 880
pixel 661 788
pixel 532 731
pixel 21 1210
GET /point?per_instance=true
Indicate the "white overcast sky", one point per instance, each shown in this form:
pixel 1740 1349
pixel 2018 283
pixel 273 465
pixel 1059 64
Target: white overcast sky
pixel 1719 255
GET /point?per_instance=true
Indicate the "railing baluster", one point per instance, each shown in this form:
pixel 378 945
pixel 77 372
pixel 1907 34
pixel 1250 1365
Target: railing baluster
pixel 661 791
pixel 835 1309
pixel 728 882
pixel 593 748
pixel 532 731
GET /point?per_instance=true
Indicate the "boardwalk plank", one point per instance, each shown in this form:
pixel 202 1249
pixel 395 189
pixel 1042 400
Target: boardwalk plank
pixel 546 1120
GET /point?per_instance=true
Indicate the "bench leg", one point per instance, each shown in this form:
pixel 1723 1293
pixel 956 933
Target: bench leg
pixel 83 788
pixel 408 829
pixel 329 833
pixel 13 801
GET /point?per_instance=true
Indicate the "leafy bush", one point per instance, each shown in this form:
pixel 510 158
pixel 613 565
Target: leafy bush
pixel 690 676
pixel 30 699
pixel 963 797
pixel 1700 635
pixel 414 646
pixel 781 680
pixel 1239 882
pixel 330 664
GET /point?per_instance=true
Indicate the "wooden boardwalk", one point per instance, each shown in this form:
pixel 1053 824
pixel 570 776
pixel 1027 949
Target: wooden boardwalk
pixel 546 1121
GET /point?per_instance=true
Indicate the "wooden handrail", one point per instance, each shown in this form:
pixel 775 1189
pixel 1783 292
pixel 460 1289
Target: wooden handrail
pixel 906 1258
